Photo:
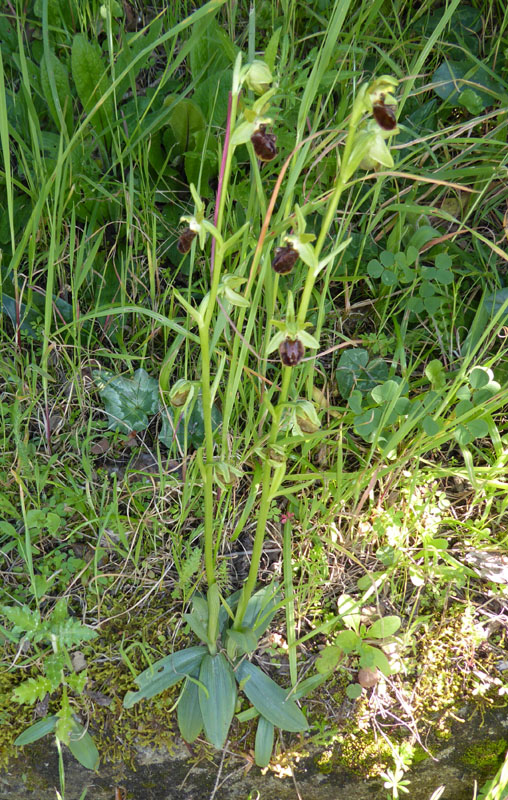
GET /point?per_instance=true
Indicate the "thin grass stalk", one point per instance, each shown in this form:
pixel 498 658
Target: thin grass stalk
pixel 289 593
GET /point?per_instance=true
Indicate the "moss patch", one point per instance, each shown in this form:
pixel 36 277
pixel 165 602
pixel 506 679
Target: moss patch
pixel 485 756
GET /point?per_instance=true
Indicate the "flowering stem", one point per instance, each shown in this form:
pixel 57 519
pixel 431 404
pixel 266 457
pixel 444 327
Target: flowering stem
pixel 264 507
pixel 266 494
pixel 206 393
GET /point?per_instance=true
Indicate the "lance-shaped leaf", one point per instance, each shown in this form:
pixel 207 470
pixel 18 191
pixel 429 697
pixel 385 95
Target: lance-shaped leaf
pixel 264 742
pixel 37 731
pixel 218 702
pixel 82 747
pixel 165 673
pixel 261 609
pixel 269 699
pixel 190 720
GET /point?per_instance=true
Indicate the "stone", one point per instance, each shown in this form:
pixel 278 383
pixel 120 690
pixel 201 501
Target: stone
pixel 159 775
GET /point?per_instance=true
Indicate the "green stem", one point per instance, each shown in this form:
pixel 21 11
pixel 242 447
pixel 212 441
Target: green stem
pixel 264 507
pixel 206 393
pixel 266 494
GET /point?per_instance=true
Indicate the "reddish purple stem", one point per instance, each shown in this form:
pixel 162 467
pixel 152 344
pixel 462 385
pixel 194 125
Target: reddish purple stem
pixel 221 177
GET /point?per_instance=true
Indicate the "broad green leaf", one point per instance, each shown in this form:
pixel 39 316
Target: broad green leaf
pixel 37 731
pixel 131 48
pixel 91 80
pixel 454 77
pixel 197 620
pixel 165 673
pixel 375 268
pixel 431 426
pixel 386 392
pixel 245 640
pixel 264 742
pixel 193 418
pixel 423 235
pixel 190 720
pixel 347 641
pixel 347 607
pixel 218 703
pixel 270 699
pixel 386 626
pixel 61 79
pixel 354 691
pixel 480 377
pixel 374 657
pixel 185 119
pixel 356 372
pixel 83 748
pixel 213 50
pixel 261 609
pixel 129 402
pixel 328 659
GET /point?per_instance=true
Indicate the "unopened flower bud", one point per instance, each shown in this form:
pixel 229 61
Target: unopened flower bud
pixel 264 144
pixel 225 474
pixel 306 417
pixel 258 77
pixel 291 352
pixel 284 259
pixel 180 393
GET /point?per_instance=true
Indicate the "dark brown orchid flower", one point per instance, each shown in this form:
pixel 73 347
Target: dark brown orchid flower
pixel 291 352
pixel 284 259
pixel 384 114
pixel 264 144
pixel 185 240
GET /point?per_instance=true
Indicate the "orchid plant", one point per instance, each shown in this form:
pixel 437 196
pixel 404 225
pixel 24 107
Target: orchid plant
pixel 229 628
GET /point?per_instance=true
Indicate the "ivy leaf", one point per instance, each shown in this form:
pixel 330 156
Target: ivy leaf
pixel 192 417
pixel 356 372
pixel 129 402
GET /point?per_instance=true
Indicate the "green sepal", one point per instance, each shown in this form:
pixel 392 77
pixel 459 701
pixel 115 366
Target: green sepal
pixel 270 699
pixel 218 702
pixel 165 673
